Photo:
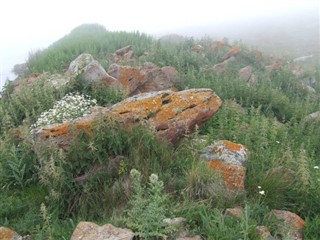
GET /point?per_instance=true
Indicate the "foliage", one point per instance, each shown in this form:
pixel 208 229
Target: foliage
pixel 147 208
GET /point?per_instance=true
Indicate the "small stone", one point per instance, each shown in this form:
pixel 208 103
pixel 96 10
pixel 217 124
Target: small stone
pixel 236 212
pixel 92 231
pixel 175 222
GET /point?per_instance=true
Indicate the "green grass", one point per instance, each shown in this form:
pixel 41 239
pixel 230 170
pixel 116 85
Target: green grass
pixel 40 196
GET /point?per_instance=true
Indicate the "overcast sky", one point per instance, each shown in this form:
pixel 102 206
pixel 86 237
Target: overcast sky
pixel 28 25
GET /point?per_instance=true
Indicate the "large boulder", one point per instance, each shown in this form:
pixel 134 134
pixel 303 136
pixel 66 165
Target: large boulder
pixel 230 160
pixel 92 231
pixel 170 114
pixel 147 78
pixel 8 234
pixel 90 70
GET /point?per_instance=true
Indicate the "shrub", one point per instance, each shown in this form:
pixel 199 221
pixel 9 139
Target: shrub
pixel 148 208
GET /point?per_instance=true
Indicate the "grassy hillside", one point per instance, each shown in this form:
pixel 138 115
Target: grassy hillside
pixel 39 196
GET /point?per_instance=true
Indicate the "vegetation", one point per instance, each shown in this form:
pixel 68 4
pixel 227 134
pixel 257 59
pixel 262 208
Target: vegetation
pixel 45 191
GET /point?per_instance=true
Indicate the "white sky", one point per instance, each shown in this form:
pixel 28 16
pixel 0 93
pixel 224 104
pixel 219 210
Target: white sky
pixel 27 25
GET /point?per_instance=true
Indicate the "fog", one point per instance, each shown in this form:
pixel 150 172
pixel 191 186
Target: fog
pixel 282 26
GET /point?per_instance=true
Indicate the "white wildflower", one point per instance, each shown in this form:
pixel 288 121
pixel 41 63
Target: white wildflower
pixel 153 178
pixel 316 167
pixel 262 192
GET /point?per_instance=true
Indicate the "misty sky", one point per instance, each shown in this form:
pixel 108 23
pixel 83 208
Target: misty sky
pixel 28 25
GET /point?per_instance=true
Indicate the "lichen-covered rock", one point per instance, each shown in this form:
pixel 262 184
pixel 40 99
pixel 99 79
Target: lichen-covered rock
pixel 92 231
pixel 231 53
pixel 245 73
pixel 90 70
pixel 8 234
pixel 197 48
pixel 230 160
pixel 292 224
pixel 147 78
pixel 221 67
pixel 170 114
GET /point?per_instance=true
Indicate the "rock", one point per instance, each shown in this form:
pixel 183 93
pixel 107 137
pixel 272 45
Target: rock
pixel 218 45
pixel 197 237
pixel 197 48
pixel 170 114
pixel 92 231
pixel 231 53
pixel 257 54
pixel 236 212
pixel 175 222
pixel 221 67
pixel 292 224
pixel 304 88
pixel 264 233
pixel 90 70
pixel 313 117
pixel 124 50
pixel 124 54
pixel 27 81
pixel 171 73
pixel 8 234
pixel 245 73
pixel 230 160
pixel 183 235
pixel 147 78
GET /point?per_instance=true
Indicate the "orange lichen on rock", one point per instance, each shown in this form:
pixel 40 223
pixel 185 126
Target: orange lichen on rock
pixel 232 52
pixel 289 218
pixel 235 147
pixel 7 234
pixel 171 114
pixel 232 175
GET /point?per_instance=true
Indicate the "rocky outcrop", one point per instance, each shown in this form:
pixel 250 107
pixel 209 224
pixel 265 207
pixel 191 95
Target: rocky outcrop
pixel 170 114
pixel 147 78
pixel 292 224
pixel 230 160
pixel 8 234
pixel 92 231
pixel 90 70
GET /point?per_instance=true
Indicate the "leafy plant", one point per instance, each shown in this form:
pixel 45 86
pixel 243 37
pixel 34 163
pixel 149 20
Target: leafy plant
pixel 148 208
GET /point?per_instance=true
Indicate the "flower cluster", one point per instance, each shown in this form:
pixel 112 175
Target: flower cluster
pixel 71 106
pixel 261 192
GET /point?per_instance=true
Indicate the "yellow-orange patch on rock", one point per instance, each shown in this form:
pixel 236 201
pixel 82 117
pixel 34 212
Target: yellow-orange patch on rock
pixel 232 175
